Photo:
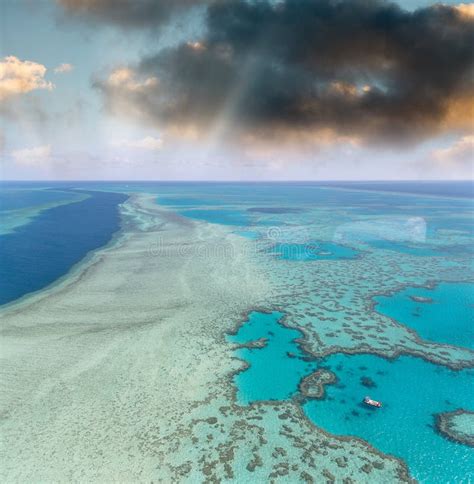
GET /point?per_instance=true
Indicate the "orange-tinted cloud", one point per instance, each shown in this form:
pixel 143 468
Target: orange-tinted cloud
pixel 19 77
pixel 460 153
pixel 466 10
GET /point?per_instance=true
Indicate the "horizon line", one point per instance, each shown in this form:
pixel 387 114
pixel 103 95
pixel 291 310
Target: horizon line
pixel 471 180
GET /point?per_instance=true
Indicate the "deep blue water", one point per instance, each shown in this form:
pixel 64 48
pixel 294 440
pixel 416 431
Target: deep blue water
pixel 38 253
pixel 18 199
pixel 410 389
pixel 445 314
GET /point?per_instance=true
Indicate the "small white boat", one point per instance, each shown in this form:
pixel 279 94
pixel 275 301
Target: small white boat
pixel 372 403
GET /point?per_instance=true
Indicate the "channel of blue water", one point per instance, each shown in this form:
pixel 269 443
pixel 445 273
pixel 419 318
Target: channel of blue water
pixel 313 250
pixel 36 254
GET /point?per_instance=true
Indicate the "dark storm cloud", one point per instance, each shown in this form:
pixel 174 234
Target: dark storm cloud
pixel 366 69
pixel 127 13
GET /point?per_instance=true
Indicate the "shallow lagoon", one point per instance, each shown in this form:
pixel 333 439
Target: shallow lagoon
pixel 411 390
pixel 272 375
pixel 223 216
pixel 443 314
pixel 402 248
pixel 314 250
pixel 249 234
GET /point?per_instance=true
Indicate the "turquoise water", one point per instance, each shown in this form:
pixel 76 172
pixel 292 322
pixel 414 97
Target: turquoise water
pixel 188 202
pixel 273 375
pixel 445 314
pixel 229 216
pixel 315 250
pixel 248 234
pixel 339 224
pixel 411 390
pixel 420 251
pixel 423 250
pixel 274 210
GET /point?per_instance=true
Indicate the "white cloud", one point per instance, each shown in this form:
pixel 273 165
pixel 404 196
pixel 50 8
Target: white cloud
pixel 63 68
pixel 148 143
pixel 37 157
pixel 125 78
pixel 19 77
pixel 460 153
pixel 450 163
pixel 196 45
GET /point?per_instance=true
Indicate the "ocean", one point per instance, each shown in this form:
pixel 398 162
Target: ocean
pixel 38 253
pixel 373 283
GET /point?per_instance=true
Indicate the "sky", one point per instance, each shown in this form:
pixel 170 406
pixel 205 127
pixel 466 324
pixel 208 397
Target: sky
pixel 236 90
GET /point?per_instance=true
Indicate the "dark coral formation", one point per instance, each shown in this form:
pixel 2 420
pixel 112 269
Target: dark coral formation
pixel 313 385
pixel 445 425
pixel 421 299
pixel 367 382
